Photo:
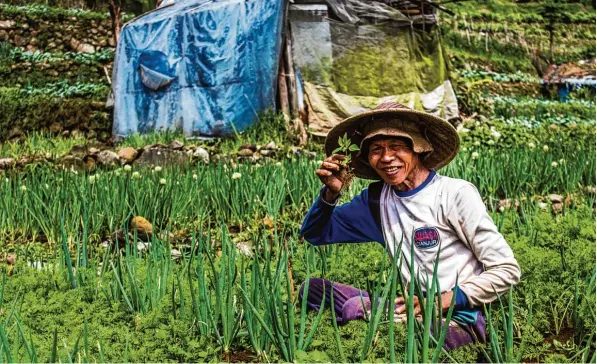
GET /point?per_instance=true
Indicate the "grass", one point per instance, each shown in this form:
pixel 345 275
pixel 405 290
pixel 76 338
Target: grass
pixel 178 199
pixel 215 302
pixel 143 306
pixel 270 127
pixel 42 144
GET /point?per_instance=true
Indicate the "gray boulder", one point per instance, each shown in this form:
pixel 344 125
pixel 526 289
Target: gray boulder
pixel 107 157
pixel 159 156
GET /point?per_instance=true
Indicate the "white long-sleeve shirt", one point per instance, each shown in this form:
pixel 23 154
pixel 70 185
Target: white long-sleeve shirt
pixel 449 213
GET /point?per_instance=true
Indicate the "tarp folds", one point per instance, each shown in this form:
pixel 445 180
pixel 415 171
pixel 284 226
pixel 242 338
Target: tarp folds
pixel 348 68
pixel 375 12
pixel 206 67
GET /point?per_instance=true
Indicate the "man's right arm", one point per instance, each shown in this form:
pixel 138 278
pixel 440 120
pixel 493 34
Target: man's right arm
pixel 352 222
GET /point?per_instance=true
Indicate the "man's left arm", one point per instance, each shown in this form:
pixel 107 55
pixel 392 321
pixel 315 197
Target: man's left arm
pixel 469 215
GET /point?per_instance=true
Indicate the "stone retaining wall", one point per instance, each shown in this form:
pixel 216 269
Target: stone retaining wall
pixel 68 34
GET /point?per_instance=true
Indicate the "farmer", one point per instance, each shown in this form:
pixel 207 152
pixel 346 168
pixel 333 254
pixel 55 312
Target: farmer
pixel 412 203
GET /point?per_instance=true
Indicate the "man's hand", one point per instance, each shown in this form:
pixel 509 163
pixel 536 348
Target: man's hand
pixel 446 300
pixel 332 173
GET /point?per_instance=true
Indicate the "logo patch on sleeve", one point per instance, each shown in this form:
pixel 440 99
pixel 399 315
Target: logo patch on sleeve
pixel 426 238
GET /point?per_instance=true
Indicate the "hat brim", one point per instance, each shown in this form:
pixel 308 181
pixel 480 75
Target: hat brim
pixel 442 136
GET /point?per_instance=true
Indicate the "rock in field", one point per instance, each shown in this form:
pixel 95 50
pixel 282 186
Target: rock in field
pixel 7 24
pixel 6 163
pixel 175 253
pixel 127 154
pixel 245 152
pixel 202 155
pixel 142 226
pixel 159 156
pixel 252 147
pixel 72 162
pixel 78 150
pixel 89 162
pixel 93 151
pixel 56 128
pixel 556 198
pixel 176 145
pixel 107 157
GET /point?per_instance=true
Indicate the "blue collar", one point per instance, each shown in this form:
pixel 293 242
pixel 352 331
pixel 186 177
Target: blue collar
pixel 415 190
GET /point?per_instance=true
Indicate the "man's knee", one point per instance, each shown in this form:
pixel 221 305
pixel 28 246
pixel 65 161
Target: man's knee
pixel 315 284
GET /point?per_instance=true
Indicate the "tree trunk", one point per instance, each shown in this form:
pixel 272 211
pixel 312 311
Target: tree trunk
pixel 116 16
pixel 551 31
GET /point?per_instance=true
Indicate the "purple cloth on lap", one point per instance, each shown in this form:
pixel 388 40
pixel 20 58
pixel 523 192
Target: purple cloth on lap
pixel 348 305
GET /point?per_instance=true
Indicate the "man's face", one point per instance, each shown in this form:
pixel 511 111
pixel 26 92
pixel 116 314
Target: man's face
pixel 392 159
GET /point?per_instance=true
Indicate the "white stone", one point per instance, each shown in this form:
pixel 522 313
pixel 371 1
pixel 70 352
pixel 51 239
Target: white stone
pixel 7 24
pixel 202 155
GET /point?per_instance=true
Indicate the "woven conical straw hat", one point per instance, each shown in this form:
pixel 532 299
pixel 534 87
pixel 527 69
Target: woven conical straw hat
pixel 442 136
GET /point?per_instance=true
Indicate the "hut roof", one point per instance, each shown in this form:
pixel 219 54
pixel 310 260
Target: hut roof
pixel 579 73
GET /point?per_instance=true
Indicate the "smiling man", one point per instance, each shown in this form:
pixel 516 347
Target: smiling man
pixel 413 204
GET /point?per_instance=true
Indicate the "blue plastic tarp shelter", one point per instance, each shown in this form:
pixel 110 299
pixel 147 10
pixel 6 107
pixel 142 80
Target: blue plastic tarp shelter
pixel 204 67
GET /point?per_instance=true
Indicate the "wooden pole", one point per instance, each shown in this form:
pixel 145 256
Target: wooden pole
pixel 299 127
pixel 283 95
pixel 282 85
pixel 290 76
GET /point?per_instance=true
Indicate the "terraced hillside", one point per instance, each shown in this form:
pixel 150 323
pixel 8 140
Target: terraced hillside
pixel 508 37
pixel 55 66
pixel 500 50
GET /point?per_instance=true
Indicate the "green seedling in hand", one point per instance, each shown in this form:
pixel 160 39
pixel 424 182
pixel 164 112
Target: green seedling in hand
pixel 346 148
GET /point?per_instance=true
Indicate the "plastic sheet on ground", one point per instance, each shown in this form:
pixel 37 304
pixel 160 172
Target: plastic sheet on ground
pixel 203 67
